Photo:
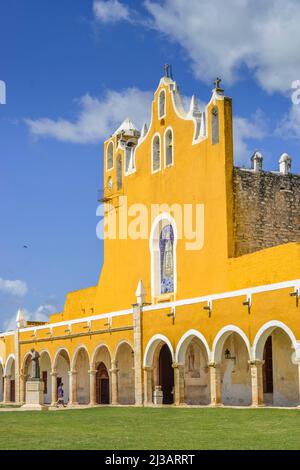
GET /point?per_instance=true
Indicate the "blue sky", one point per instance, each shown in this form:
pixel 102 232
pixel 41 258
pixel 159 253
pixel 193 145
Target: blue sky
pixel 74 69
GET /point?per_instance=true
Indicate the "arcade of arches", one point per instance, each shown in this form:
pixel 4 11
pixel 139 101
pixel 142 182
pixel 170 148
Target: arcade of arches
pixel 232 373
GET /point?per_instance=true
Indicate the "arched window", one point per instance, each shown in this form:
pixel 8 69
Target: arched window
pixel 119 172
pixel 110 183
pixel 162 104
pixel 215 125
pixel 169 148
pixel 156 153
pixel 129 163
pixel 166 250
pixel 163 241
pixel 110 156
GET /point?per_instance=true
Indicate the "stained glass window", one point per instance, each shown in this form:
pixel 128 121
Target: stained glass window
pixel 166 247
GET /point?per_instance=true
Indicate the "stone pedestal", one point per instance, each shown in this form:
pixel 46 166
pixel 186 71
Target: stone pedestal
pixel 158 395
pixel 34 396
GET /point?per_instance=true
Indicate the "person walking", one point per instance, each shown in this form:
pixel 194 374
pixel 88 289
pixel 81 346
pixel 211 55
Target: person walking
pixel 60 395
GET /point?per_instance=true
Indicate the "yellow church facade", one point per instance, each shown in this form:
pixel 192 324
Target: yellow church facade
pixel 197 300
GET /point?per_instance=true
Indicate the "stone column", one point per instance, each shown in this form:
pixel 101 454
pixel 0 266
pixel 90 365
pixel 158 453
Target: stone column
pixel 114 383
pixel 6 390
pixel 53 374
pixel 72 388
pixel 178 383
pixel 18 397
pixel 215 384
pixel 92 373
pixel 257 383
pixel 148 389
pixel 22 388
pixel 138 360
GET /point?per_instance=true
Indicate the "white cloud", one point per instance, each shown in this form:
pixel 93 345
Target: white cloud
pixel 97 118
pixel 110 11
pixel 41 314
pixel 16 288
pixel 221 36
pixel 245 129
pixel 289 126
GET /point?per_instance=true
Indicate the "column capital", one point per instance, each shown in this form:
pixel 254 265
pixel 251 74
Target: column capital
pixel 214 365
pixel 53 373
pixel 256 362
pixel 72 372
pixel 7 377
pixel 92 371
pixel 177 365
pixel 113 370
pixel 148 368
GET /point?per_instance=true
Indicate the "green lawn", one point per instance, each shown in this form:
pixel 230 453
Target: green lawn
pixel 149 428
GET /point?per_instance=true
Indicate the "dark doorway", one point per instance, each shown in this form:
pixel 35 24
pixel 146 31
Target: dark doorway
pixel 12 391
pixel 268 366
pixel 102 385
pixel 166 375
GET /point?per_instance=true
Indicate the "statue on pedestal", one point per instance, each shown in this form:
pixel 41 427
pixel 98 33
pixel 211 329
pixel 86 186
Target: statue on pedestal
pixel 35 358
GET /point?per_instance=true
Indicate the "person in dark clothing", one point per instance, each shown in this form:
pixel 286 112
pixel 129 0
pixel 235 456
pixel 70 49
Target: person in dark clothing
pixel 60 395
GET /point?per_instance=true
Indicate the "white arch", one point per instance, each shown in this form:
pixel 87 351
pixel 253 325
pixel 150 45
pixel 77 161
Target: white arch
pixel 8 364
pixel 120 343
pixel 110 150
pixel 221 337
pixel 57 353
pixel 184 342
pixel 154 251
pixel 151 346
pixel 46 351
pixel 170 128
pixel 157 134
pixel 97 348
pixel 265 331
pixel 75 354
pixel 162 103
pixel 27 355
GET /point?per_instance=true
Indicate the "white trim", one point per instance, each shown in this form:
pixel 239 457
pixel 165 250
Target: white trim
pixel 157 134
pixel 75 354
pixel 56 355
pixel 79 320
pixel 152 345
pixel 184 344
pixel 10 357
pixel 7 333
pixel 265 331
pixel 97 348
pixel 226 295
pixel 111 142
pixel 190 301
pixel 120 343
pixel 170 128
pixel 221 337
pixel 154 248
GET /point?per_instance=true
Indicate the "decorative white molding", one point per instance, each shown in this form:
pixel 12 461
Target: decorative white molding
pixel 265 331
pixel 184 343
pixel 152 345
pixel 221 337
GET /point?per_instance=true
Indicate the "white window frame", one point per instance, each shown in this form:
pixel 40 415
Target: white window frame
pixel 157 134
pixel 113 153
pixel 163 91
pixel 165 148
pixel 160 221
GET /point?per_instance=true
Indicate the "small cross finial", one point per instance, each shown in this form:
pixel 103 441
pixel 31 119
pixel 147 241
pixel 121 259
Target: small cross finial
pixel 167 66
pixel 217 83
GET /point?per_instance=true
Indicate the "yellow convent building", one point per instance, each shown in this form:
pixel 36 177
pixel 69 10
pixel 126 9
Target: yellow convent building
pixel 197 300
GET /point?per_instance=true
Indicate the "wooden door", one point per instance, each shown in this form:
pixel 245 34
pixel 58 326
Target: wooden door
pixel 268 366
